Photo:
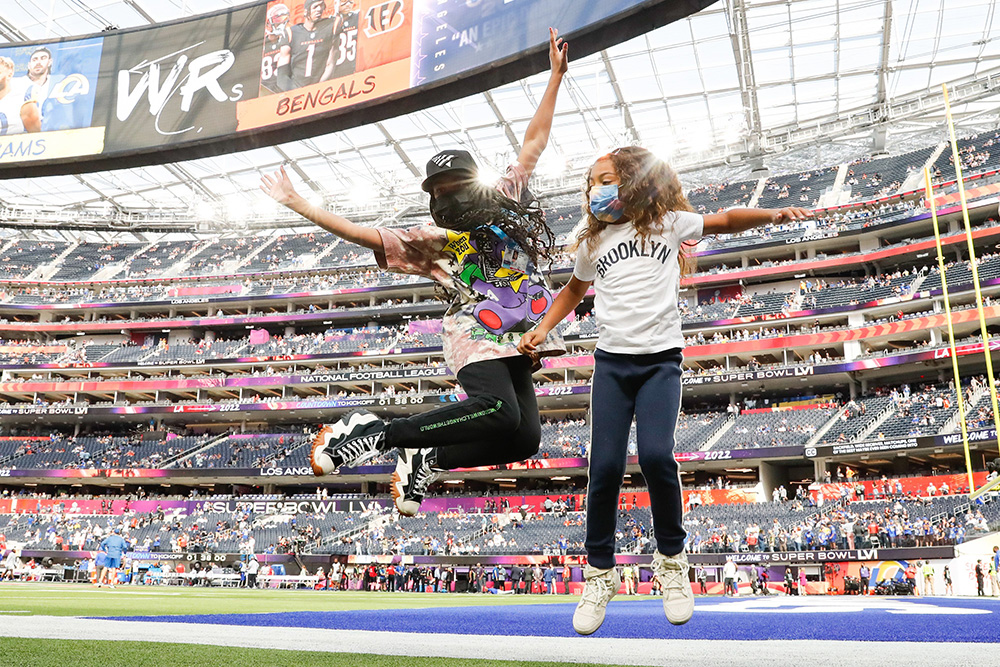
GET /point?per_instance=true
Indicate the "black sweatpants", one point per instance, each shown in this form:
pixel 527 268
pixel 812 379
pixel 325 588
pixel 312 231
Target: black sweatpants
pixel 498 422
pixel 648 387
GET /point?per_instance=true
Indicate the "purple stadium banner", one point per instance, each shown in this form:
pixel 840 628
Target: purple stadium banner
pixel 373 375
pixel 730 454
pixel 185 300
pixel 843 367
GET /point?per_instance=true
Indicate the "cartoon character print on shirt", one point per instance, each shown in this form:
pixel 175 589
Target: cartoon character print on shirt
pixel 511 301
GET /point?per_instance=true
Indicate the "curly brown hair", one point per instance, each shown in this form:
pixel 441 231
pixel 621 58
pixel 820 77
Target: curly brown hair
pixel 649 189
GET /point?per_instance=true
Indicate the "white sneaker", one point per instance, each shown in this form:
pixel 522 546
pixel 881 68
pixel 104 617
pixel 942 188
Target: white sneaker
pixel 357 438
pixel 601 586
pixel 678 598
pixel 411 478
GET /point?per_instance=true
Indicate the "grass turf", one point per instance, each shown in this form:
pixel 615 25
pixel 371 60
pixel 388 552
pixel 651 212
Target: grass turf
pixel 59 653
pixel 86 600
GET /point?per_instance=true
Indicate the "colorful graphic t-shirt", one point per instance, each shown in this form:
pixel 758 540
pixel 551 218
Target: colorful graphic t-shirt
pixel 496 295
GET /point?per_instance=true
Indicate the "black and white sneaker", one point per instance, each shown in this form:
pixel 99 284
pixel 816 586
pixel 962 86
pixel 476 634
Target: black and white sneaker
pixel 411 478
pixel 358 437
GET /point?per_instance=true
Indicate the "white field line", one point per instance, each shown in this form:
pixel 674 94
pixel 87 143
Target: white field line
pixel 665 652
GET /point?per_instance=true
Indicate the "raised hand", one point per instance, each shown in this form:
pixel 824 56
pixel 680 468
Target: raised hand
pixel 558 53
pixel 278 187
pixel 791 214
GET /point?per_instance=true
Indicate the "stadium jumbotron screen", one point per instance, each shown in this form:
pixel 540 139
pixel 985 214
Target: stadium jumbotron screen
pixel 278 71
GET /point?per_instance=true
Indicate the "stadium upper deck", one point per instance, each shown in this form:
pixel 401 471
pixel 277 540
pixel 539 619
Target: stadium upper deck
pixel 125 331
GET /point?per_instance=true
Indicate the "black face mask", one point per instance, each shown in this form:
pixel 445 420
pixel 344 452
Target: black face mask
pixel 462 210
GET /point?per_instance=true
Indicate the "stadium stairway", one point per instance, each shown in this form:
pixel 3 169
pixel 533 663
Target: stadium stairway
pixel 719 434
pixel 832 198
pixel 181 265
pixel 757 192
pixel 112 270
pixel 875 425
pixel 46 271
pixel 825 428
pixel 172 463
pixel 249 258
pixel 952 425
pixel 318 259
pixel 916 179
pixel 382 517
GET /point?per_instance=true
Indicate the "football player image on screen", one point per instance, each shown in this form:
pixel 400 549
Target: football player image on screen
pixel 39 74
pixel 19 111
pixel 306 54
pixel 275 29
pixel 345 53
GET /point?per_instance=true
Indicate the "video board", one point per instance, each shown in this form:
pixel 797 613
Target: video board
pixel 276 71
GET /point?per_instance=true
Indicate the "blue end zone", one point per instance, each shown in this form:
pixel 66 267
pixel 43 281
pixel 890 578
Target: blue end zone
pixel 754 619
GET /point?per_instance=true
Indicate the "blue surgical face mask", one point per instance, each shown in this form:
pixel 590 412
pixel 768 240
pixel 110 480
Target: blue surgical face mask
pixel 605 204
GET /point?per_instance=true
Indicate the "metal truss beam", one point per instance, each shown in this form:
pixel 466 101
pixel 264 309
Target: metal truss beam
pixel 620 100
pixel 859 120
pixel 739 33
pixel 882 95
pixel 391 140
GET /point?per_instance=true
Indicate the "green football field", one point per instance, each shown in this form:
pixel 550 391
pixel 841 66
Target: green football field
pixel 86 600
pixel 83 600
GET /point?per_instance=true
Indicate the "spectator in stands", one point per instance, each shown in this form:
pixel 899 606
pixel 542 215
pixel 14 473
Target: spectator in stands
pixel 636 204
pixel 482 240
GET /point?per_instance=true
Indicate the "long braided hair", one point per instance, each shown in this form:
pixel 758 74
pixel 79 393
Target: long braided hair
pixel 523 222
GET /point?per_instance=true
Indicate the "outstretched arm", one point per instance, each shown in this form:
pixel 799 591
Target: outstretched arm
pixel 279 187
pixel 568 299
pixel 739 220
pixel 536 137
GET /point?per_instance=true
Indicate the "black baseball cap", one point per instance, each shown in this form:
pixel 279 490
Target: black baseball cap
pixel 449 161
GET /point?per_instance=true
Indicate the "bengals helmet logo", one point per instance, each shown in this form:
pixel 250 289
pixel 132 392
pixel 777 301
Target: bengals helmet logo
pixel 384 18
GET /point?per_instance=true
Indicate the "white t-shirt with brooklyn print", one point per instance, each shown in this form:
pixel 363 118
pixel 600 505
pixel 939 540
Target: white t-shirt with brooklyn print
pixel 636 287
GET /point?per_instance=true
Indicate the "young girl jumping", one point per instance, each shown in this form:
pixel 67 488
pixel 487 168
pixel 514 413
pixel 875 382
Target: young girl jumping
pixel 632 252
pixel 483 250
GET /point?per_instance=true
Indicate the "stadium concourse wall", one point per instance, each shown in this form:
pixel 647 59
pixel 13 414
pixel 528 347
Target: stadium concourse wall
pixel 828 492
pixel 825 569
pixel 910 325
pixel 436 504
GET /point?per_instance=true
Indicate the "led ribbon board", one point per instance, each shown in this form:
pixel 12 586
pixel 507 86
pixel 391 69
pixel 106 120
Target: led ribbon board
pixel 211 84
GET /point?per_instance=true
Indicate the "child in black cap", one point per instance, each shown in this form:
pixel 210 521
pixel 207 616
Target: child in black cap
pixel 484 251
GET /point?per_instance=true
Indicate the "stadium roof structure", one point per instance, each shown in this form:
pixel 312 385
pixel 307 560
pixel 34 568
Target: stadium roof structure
pixel 740 86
